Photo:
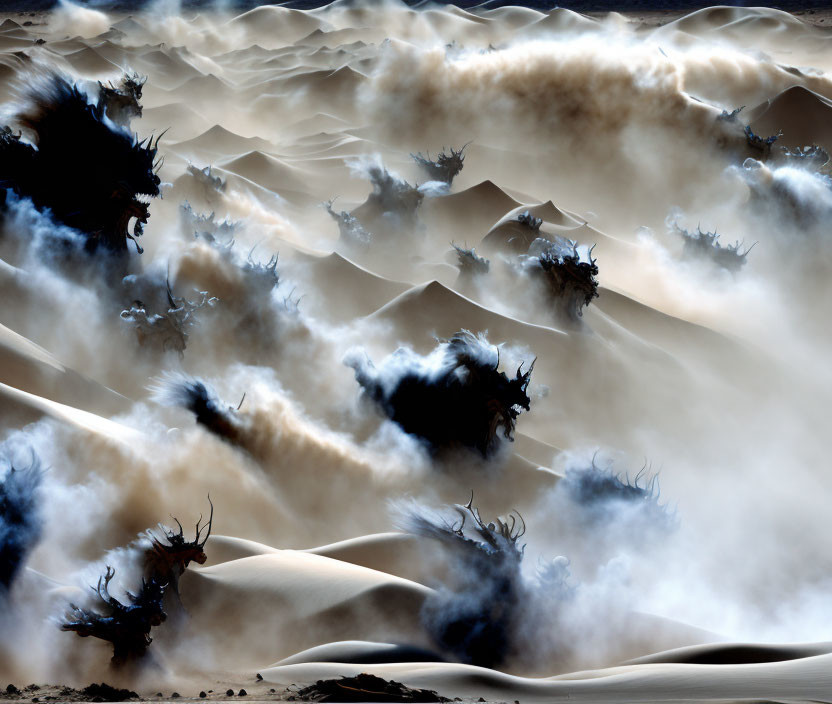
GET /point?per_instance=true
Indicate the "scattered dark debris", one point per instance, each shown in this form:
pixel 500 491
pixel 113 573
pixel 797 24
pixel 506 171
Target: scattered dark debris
pixel 101 692
pixel 105 693
pixel 365 688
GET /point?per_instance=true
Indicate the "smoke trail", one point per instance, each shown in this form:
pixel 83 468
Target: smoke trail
pixel 21 523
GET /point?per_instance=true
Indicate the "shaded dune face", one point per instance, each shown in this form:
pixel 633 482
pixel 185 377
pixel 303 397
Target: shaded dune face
pixel 397 259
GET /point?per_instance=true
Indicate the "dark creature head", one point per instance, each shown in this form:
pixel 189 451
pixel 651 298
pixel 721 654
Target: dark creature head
pixel 705 245
pixel 529 220
pixel 170 330
pixel 350 229
pixel 475 617
pixel 121 104
pixel 206 178
pixel 261 277
pixel 206 227
pixel 446 166
pixel 606 499
pixel 393 195
pixel 469 262
pixel 570 278
pixel 457 398
pixel 169 557
pixel 20 518
pixel 760 145
pixel 126 626
pixel 93 177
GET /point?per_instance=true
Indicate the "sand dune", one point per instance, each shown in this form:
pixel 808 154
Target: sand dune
pixel 801 115
pixel 266 598
pixel 804 679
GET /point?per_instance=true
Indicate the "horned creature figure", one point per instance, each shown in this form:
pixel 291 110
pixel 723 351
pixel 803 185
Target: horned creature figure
pixel 446 166
pixel 760 144
pixel 812 156
pixel 474 619
pixel 730 116
pixel 168 331
pixel 351 230
pixel 169 556
pixel 392 196
pixel 469 262
pixel 602 494
pixel 122 103
pixel 202 225
pixel 205 177
pixel 705 245
pixel 456 397
pixel 126 626
pixel 195 395
pixel 93 177
pixel 20 519
pixel 569 277
pixel 529 220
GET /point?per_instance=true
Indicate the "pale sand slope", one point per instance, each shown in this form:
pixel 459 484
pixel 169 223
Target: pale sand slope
pixel 600 127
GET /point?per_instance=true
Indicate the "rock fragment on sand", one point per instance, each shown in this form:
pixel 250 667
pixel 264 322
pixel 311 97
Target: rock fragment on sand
pixel 365 688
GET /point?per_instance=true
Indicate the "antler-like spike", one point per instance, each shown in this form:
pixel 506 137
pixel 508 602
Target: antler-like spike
pixel 208 525
pixel 156 146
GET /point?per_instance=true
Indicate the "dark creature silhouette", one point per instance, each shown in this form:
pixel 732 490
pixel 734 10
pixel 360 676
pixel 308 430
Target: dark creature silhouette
pixel 126 626
pixel 169 556
pixel 459 400
pixel 476 618
pixel 469 262
pixel 202 225
pixel 167 331
pixel 91 175
pixel 20 519
pixel 529 220
pixel 350 228
pixel 205 177
pixel 570 279
pixel 705 245
pixel 761 144
pixel 446 166
pixel 123 102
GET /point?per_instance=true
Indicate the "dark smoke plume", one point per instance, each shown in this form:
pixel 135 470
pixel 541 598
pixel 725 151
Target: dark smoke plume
pixel 455 397
pixel 21 522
